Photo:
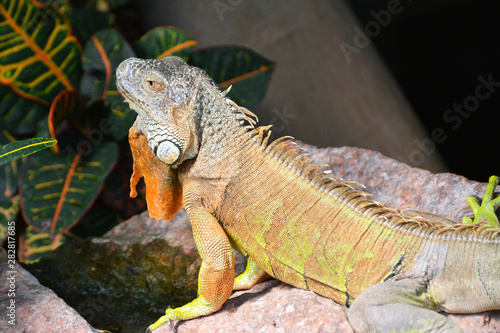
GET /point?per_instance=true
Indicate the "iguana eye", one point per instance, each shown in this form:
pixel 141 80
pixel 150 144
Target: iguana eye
pixel 153 85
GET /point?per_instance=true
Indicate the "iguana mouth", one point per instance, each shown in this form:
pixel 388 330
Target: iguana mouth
pixel 132 104
pixel 168 152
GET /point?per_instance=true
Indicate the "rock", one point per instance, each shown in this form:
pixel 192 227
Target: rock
pixel 37 308
pixel 271 306
pixel 488 322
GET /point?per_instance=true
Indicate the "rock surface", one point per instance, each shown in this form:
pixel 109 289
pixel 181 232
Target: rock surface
pixel 37 308
pixel 271 306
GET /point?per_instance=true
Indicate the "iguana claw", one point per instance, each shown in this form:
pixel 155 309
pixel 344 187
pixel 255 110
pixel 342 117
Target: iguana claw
pixel 486 211
pixel 170 324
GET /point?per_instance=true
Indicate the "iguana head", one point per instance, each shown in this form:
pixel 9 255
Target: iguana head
pixel 164 95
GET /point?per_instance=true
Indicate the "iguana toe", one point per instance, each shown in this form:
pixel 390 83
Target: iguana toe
pixel 485 212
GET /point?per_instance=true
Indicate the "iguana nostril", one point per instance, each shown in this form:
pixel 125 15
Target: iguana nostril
pixel 127 65
pixel 122 67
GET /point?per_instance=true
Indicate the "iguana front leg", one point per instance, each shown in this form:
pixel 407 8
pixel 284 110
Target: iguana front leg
pixel 216 277
pixel 486 211
pixel 252 276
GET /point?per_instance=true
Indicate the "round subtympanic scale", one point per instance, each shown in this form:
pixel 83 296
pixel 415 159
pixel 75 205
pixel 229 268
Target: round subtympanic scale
pixel 168 152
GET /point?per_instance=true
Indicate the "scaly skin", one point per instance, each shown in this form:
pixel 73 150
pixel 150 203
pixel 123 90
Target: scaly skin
pixel 198 149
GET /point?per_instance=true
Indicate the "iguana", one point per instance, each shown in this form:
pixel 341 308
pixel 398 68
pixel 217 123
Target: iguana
pixel 395 270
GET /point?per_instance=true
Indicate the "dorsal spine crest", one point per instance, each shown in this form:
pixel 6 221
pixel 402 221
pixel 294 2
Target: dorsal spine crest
pixel 286 151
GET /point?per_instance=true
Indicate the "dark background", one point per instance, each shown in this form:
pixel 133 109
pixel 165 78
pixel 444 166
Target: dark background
pixel 438 49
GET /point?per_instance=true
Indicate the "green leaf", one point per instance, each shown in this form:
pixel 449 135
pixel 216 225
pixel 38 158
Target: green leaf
pixel 120 116
pixel 101 5
pixel 18 114
pixel 17 149
pixel 87 21
pixel 245 70
pixel 102 55
pixel 42 128
pixel 162 42
pixel 118 3
pixel 97 221
pixel 9 200
pixel 56 190
pixel 8 212
pixel 3 227
pixel 9 206
pixel 63 107
pixel 39 59
pixel 34 245
pixel 63 6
